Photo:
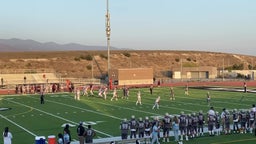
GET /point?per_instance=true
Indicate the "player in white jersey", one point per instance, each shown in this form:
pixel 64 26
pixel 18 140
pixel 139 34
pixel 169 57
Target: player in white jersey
pixel 77 94
pixel 105 92
pixel 157 101
pixel 138 98
pixel 114 94
pixel 85 89
pixel 172 97
pixel 208 98
pixel 100 92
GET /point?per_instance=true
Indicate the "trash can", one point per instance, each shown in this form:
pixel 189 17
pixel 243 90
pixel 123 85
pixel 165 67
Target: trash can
pixel 51 139
pixel 40 140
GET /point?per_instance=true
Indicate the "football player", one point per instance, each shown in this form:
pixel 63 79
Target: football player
pixel 183 126
pixel 166 127
pixel 114 94
pixel 242 118
pixel 227 122
pixel 201 122
pixel 124 126
pixel 138 98
pixel 157 101
pixel 195 124
pixel 252 120
pixel 189 126
pixel 133 127
pixel 141 128
pixel 172 97
pixel 235 121
pixel 211 120
pixel 217 123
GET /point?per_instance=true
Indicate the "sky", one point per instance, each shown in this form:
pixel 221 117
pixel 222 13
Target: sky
pixel 227 26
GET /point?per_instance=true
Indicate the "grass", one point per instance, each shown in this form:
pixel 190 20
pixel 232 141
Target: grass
pixel 29 118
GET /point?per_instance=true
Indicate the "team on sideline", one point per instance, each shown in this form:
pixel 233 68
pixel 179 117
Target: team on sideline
pixel 189 126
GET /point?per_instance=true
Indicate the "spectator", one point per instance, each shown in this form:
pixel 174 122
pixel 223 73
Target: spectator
pixel 155 133
pixel 80 133
pixel 7 136
pixel 66 130
pixel 60 139
pixel 175 127
pixel 66 137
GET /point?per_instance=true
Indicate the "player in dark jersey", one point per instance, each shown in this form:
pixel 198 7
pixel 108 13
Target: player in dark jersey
pixel 133 127
pixel 189 126
pixel 211 121
pixel 124 126
pixel 141 128
pixel 89 134
pixel 147 125
pixel 251 120
pixel 166 127
pixel 183 126
pixel 235 119
pixel 227 122
pixel 201 122
pixel 195 125
pixel 243 121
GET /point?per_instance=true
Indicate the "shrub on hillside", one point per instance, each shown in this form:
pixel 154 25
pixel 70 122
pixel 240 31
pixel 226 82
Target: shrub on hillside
pixel 77 59
pixel 89 67
pixel 126 54
pixel 103 56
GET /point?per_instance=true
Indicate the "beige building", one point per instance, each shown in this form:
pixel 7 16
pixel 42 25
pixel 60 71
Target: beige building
pixel 204 72
pixel 131 76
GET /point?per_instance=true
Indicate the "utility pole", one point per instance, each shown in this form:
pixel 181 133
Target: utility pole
pixel 223 70
pixel 108 35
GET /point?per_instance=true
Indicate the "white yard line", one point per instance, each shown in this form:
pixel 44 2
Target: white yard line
pixel 18 125
pixel 55 116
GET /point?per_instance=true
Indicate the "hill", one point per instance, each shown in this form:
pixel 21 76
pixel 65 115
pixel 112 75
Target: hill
pixel 14 45
pixel 87 64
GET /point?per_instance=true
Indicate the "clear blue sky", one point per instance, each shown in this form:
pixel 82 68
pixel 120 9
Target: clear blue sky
pixel 204 25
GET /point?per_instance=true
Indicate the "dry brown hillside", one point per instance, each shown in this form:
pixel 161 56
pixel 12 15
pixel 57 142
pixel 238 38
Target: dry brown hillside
pixel 79 63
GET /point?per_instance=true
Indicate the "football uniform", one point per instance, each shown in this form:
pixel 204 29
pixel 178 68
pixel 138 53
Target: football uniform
pixel 201 121
pixel 183 125
pixel 235 122
pixel 133 127
pixel 141 128
pixel 124 126
pixel 166 127
pixel 211 121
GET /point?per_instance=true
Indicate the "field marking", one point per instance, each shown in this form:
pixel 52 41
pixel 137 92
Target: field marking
pixel 114 117
pixel 18 125
pixel 56 116
pixel 241 140
pixel 121 107
pixel 216 101
pixel 21 113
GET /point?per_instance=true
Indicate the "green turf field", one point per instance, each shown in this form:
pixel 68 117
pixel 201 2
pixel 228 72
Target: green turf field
pixel 28 118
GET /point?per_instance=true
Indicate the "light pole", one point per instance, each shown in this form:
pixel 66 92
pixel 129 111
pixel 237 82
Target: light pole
pixel 108 35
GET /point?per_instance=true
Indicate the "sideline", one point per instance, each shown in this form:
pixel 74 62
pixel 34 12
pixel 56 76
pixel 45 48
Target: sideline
pixel 242 140
pixel 56 116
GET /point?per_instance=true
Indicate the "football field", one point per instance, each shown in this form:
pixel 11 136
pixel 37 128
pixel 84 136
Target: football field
pixel 27 118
